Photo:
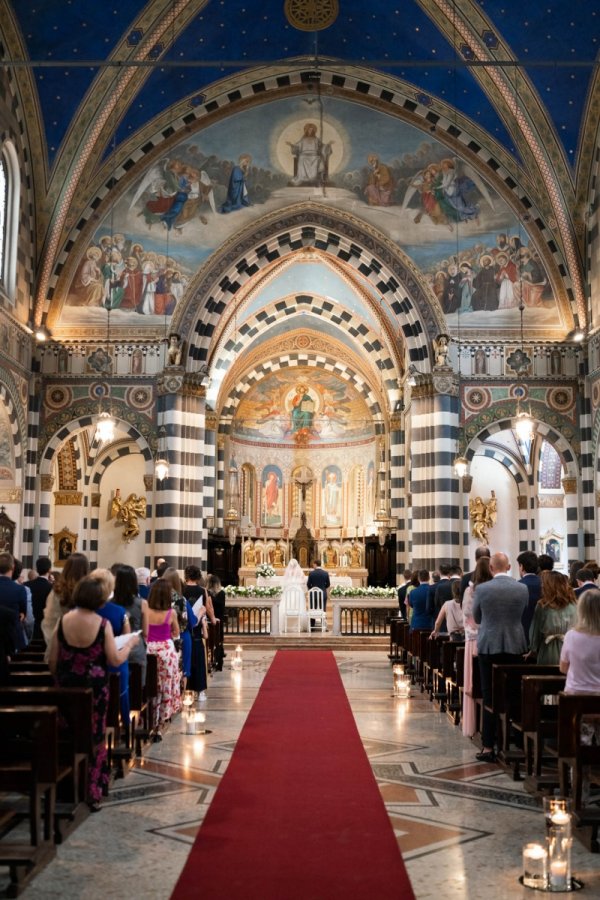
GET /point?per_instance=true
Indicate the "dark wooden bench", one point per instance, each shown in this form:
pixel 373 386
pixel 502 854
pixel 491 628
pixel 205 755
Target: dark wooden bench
pixel 432 663
pixel 30 679
pixel 574 757
pixel 29 763
pixel 539 724
pixel 27 665
pixel 396 635
pixel 75 707
pixel 140 712
pixel 455 681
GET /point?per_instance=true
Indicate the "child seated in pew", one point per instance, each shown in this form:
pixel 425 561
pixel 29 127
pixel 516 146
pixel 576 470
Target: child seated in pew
pixel 580 661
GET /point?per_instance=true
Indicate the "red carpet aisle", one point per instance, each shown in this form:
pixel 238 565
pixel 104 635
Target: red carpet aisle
pixel 298 814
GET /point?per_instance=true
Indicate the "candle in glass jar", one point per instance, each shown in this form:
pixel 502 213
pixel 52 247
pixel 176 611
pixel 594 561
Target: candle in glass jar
pixel 534 866
pixel 558 873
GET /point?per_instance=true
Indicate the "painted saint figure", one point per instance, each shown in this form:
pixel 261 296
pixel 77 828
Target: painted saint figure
pixel 237 191
pixel 332 499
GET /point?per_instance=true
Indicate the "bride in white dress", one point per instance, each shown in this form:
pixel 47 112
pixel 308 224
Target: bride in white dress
pixel 293 577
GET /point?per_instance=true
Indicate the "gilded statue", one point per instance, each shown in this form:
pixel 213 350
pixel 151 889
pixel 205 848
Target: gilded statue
pixel 483 517
pixel 355 556
pixel 250 554
pixel 330 557
pixel 127 512
pixel 278 557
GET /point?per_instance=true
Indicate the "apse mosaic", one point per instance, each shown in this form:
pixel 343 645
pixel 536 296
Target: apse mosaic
pixel 476 258
pixel 302 407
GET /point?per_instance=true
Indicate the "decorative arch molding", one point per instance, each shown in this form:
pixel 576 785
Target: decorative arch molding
pixel 48 446
pixel 301 339
pixel 341 235
pixel 231 398
pixel 485 425
pixel 17 424
pixel 118 451
pixel 506 460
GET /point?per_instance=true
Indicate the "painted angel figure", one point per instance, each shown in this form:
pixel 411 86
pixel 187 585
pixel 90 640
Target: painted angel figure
pixel 127 512
pixel 447 192
pixel 177 192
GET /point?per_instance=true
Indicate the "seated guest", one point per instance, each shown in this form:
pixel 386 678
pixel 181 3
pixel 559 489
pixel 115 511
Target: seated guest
pixel 554 614
pixel 585 581
pixel 40 586
pixel 418 602
pixel 574 568
pixel 117 617
pixel 136 609
pixel 480 576
pixel 162 631
pixel 451 615
pixel 80 651
pixel 60 598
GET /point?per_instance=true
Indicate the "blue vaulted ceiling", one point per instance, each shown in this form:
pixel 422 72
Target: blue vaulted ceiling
pixel 556 41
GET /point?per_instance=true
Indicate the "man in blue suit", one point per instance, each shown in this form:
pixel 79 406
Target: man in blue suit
pixel 13 597
pixel 528 570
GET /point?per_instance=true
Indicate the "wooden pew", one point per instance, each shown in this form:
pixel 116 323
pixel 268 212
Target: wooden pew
pixel 413 659
pixel 27 665
pixel 151 689
pixel 574 757
pixel 29 762
pixel 75 706
pixel 432 663
pixel 140 722
pixel 539 722
pixel 455 681
pixel 506 705
pixel 30 679
pixel 396 634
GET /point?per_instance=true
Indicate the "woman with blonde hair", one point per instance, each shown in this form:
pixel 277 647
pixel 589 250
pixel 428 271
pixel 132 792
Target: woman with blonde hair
pixel 553 616
pixel 480 575
pixel 60 598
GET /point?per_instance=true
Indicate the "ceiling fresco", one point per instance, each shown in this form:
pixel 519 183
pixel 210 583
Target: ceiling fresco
pixel 210 40
pixel 436 207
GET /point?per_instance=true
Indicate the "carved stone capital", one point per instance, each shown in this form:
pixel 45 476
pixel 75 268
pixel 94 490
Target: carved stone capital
pixel 396 421
pixel 569 485
pixel 11 495
pixel 68 498
pixel 46 482
pixel 211 421
pixel 521 502
pixel 467 483
pixel 148 482
pixel 169 382
pixel 194 384
pixel 95 499
pixel 445 381
pixel 550 501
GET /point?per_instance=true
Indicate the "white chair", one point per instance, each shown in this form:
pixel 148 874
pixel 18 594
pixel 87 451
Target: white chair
pixel 316 609
pixel 294 606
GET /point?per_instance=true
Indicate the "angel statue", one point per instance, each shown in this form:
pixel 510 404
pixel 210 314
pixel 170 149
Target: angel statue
pixel 447 192
pixel 483 517
pixel 127 512
pixel 173 194
pixel 441 346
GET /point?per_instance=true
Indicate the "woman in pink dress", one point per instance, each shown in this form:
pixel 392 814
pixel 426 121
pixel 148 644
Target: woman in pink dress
pixel 162 631
pixel 482 573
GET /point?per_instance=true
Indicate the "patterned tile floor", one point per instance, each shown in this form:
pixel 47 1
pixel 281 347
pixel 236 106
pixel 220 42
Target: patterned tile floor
pixel 460 824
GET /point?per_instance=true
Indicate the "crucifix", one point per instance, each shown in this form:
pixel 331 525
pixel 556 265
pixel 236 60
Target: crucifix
pixel 303 478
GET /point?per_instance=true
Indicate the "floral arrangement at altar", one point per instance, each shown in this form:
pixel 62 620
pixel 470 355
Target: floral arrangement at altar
pixel 342 591
pixel 265 570
pixel 252 590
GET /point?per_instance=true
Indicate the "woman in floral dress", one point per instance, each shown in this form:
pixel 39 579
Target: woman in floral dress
pixel 162 631
pixel 80 652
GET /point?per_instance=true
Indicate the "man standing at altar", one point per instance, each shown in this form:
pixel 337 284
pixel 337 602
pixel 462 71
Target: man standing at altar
pixel 319 578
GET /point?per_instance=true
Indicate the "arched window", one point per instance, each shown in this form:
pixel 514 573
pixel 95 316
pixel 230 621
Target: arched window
pixel 9 218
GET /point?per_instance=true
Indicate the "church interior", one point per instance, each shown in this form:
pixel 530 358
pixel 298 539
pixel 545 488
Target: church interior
pixel 309 280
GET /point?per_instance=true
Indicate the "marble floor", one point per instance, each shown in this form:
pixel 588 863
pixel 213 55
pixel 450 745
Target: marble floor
pixel 460 824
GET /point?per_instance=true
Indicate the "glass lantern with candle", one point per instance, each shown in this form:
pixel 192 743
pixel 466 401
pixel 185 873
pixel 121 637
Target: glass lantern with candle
pixel 535 869
pixel 397 673
pixel 557 812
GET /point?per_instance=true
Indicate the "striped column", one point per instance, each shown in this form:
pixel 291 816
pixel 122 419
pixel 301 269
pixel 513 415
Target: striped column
pixel 436 505
pixel 31 546
pixel 180 527
pixel 210 475
pixel 586 462
pixel 397 489
pixel 45 486
pixel 574 550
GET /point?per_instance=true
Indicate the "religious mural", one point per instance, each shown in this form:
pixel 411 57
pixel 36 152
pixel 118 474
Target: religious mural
pixel 272 496
pixel 302 407
pixel 469 245
pixel 331 485
pixel 7 462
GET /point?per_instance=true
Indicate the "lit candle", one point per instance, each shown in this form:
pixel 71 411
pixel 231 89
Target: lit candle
pixel 534 866
pixel 558 873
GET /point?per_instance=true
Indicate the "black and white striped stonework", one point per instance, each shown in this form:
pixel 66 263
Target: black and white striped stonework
pixel 180 533
pixel 586 464
pixel 397 490
pixel 434 486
